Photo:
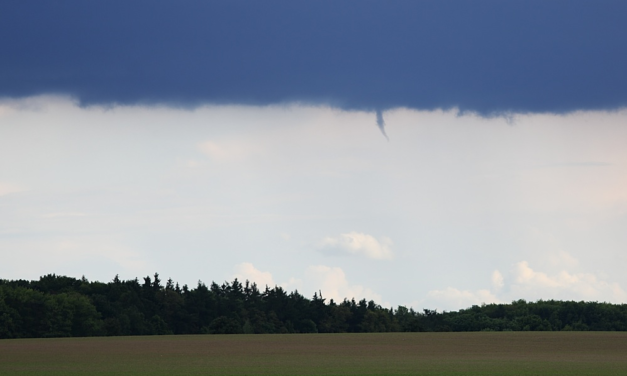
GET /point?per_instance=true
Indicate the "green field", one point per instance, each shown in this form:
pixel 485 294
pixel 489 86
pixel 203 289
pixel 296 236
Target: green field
pixel 480 353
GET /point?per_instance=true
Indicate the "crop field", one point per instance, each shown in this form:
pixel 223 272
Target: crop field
pixel 509 353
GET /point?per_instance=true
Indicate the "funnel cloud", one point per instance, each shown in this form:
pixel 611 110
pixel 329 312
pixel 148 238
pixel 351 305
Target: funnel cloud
pixel 381 123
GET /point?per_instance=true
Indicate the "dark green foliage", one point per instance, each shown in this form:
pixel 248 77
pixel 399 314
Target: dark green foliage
pixel 59 306
pixel 543 315
pixel 223 325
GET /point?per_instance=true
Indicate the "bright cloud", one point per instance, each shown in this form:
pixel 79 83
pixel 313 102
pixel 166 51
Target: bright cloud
pixel 357 243
pixel 564 285
pixel 247 272
pixel 527 283
pixel 332 282
pixel 6 189
pixel 452 297
pixel 497 280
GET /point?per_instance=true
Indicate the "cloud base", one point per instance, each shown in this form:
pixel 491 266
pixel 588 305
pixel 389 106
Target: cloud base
pixel 485 57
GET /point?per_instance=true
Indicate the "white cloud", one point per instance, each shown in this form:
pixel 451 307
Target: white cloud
pixel 564 285
pixel 6 189
pixel 357 243
pixel 453 299
pixel 247 271
pixel 497 280
pixel 293 284
pixel 527 283
pixel 332 282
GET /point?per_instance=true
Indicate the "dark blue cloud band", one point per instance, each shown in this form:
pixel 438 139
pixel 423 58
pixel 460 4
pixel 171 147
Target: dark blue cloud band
pixel 484 56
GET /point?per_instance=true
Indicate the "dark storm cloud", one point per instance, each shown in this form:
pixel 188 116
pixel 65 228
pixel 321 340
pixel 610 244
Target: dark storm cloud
pixel 484 56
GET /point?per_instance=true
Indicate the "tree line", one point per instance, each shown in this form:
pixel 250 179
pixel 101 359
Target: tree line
pixel 60 306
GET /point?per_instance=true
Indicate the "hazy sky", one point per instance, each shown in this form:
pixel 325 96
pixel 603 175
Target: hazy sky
pixel 208 141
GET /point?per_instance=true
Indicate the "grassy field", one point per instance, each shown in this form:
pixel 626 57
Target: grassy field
pixel 509 353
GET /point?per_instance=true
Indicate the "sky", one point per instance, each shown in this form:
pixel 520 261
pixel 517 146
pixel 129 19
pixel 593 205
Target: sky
pixel 427 154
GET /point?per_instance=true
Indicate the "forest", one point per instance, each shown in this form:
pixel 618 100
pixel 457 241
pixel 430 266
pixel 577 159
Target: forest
pixel 61 306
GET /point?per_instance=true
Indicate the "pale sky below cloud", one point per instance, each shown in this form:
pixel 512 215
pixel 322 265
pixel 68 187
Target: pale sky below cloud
pixel 247 272
pixel 6 188
pixel 330 282
pixel 359 244
pixel 333 284
pixel 524 282
pixel 194 194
